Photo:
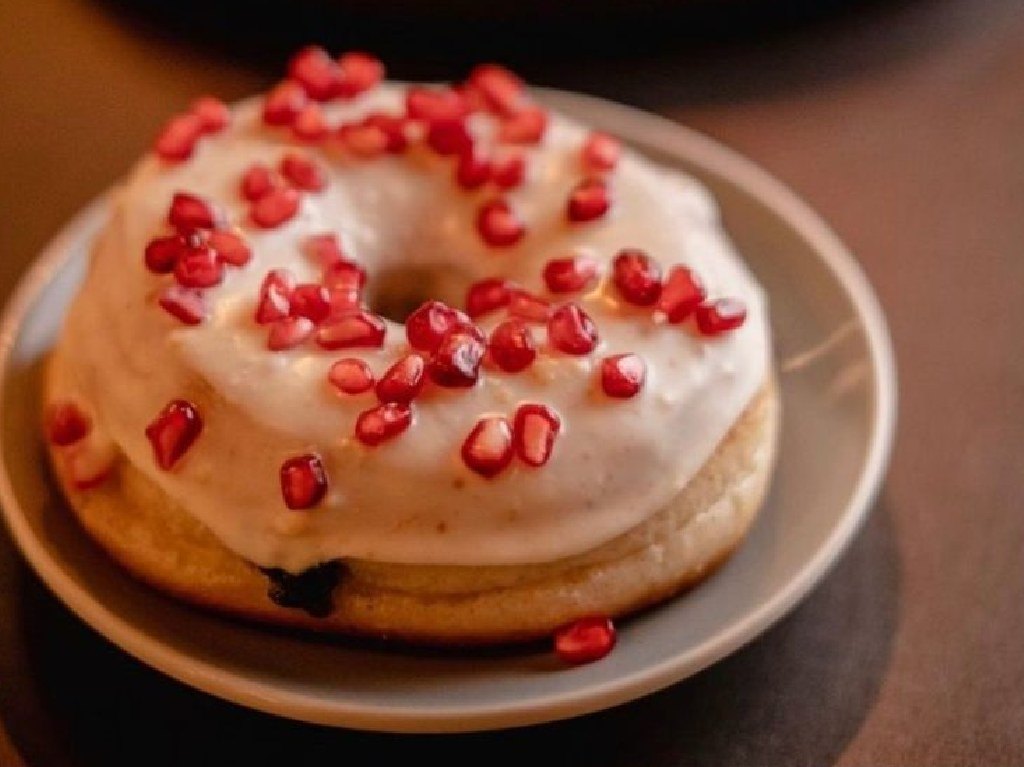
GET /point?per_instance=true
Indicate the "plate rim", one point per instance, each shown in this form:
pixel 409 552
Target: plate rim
pixel 674 139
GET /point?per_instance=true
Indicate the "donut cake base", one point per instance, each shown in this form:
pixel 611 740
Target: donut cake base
pixel 161 544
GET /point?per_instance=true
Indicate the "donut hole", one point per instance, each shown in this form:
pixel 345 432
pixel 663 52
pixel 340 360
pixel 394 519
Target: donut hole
pixel 396 292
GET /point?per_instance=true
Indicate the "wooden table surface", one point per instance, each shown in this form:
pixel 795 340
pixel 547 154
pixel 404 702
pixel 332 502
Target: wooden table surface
pixel 904 125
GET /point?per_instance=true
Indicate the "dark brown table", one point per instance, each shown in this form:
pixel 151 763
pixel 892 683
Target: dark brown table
pixel 904 125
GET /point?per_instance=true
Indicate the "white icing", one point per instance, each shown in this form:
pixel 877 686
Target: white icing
pixel 412 500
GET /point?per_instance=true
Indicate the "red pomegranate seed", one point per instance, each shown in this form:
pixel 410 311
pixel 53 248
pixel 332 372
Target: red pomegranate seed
pixel 315 71
pixel 449 137
pixel 343 300
pixel 637 276
pixel 275 296
pixel 230 247
pixel 403 381
pixel 213 113
pixel 528 306
pixel 163 253
pixel 473 170
pixel 189 212
pixel 199 267
pixel 589 200
pixel 526 126
pixel 571 330
pixel 303 481
pixel 499 225
pixel 488 448
pixel 456 363
pixel 289 333
pixel 359 72
pixel 311 301
pixel 356 329
pixel 487 295
pixel 324 249
pixel 344 274
pixel 257 180
pixel 363 140
pixel 184 304
pixel 173 431
pixel 433 104
pixel 177 139
pixel 284 103
pixel 570 274
pixel 585 640
pixel 383 422
pixel 622 375
pixel 310 125
pixel 392 127
pixel 502 90
pixel 601 152
pixel 509 172
pixel 536 427
pixel 681 294
pixel 66 423
pixel 512 346
pixel 89 464
pixel 351 375
pixel 275 207
pixel 426 327
pixel 720 316
pixel 303 172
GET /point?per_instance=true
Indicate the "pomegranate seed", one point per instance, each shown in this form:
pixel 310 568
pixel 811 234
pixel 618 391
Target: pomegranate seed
pixel 403 380
pixel 359 72
pixel 509 172
pixel 585 640
pixel 434 104
pixel 344 274
pixel 310 125
pixel 90 463
pixel 66 423
pixel 275 207
pixel 213 113
pixel 449 137
pixel 351 375
pixel 473 170
pixel 356 329
pixel 426 327
pixel 571 330
pixel 230 247
pixel 189 212
pixel 637 276
pixel 499 225
pixel 289 333
pixel 536 427
pixel 456 363
pixel 681 294
pixel 512 347
pixel 569 275
pixel 622 375
pixel 315 71
pixel 502 90
pixel 199 267
pixel 303 172
pixel 177 139
pixel 589 200
pixel 528 307
pixel 487 295
pixel 601 152
pixel 324 249
pixel 163 253
pixel 721 316
pixel 392 127
pixel 383 422
pixel 173 431
pixel 343 300
pixel 363 140
pixel 488 448
pixel 311 301
pixel 284 103
pixel 526 126
pixel 303 481
pixel 257 180
pixel 185 304
pixel 275 296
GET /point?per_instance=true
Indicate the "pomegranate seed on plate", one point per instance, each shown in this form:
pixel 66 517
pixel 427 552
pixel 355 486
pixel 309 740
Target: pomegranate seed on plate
pixel 720 316
pixel 499 225
pixel 303 481
pixel 473 170
pixel 275 296
pixel 488 448
pixel 177 139
pixel 66 423
pixel 433 104
pixel 637 276
pixel 449 137
pixel 426 327
pixel 570 274
pixel 315 71
pixel 185 304
pixel 502 90
pixel 356 329
pixel 303 172
pixel 257 180
pixel 275 207
pixel 589 200
pixel 512 346
pixel 284 103
pixel 403 380
pixel 526 126
pixel 487 295
pixel 199 267
pixel 213 113
pixel 310 125
pixel 351 375
pixel 358 72
pixel 622 375
pixel 162 253
pixel 571 330
pixel 528 306
pixel 289 332
pixel 383 422
pixel 189 211
pixel 536 427
pixel 230 247
pixel 681 294
pixel 509 172
pixel 456 363
pixel 585 640
pixel 601 152
pixel 173 431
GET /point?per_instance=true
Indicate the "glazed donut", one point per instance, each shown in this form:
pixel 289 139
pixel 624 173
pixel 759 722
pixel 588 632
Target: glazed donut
pixel 412 361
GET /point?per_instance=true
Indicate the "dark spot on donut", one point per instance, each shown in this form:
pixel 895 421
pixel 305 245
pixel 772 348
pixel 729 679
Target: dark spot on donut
pixel 458 483
pixel 442 527
pixel 309 590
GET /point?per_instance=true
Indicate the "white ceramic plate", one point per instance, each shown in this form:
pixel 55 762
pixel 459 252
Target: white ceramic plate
pixel 838 392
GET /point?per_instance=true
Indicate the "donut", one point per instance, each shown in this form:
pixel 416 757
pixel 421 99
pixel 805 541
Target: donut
pixel 422 362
